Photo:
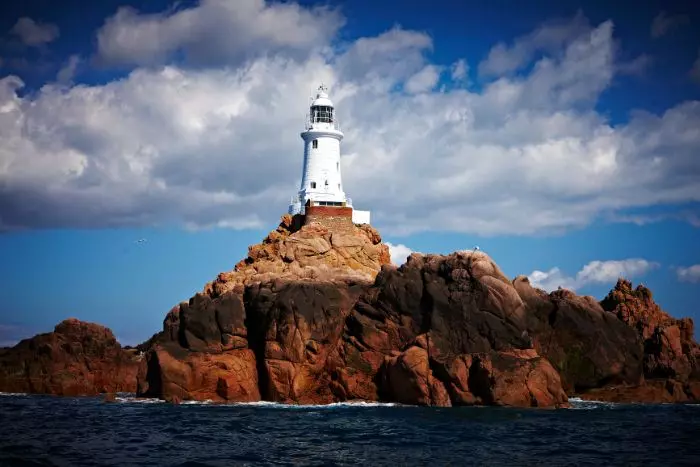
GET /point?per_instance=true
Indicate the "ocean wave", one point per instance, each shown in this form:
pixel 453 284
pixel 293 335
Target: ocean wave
pixel 280 405
pixel 581 404
pixel 333 405
pixel 138 400
pixel 127 399
pixel 10 394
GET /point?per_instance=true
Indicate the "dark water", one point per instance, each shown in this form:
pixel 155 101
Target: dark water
pixel 36 430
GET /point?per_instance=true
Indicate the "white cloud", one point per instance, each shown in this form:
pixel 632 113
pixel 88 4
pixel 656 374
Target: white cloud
pixel 220 146
pixel 215 32
pixel 595 272
pixel 423 81
pixel 689 274
pixel 689 217
pixel 551 280
pixel 637 66
pixel 663 23
pixel 378 63
pixel 34 33
pixel 552 37
pixel 399 253
pixel 610 271
pixel 68 70
pixel 460 70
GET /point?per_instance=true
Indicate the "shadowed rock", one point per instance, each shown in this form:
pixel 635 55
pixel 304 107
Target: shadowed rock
pixel 669 347
pixel 76 359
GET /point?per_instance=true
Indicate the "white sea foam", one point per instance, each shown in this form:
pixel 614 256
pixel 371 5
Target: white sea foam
pixel 333 405
pixel 580 404
pixel 279 405
pixel 131 399
pixel 138 400
pixel 10 394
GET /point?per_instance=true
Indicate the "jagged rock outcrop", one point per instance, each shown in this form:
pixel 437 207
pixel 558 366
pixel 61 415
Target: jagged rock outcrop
pixel 276 308
pixel 311 252
pixel 440 330
pixel 671 360
pixel 670 350
pixel 587 345
pixel 76 359
pixel 318 315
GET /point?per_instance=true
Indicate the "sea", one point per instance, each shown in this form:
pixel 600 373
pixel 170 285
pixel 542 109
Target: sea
pixel 59 431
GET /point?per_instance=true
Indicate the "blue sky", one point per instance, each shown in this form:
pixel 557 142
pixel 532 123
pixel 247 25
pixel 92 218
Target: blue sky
pixel 561 137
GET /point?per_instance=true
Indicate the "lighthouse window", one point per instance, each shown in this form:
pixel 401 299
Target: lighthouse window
pixel 313 184
pixel 314 144
pixel 322 114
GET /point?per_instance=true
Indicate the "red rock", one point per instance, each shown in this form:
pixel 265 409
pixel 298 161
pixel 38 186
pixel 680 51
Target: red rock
pixel 317 341
pixel 318 315
pixel 310 252
pixel 225 376
pixel 76 359
pixel 692 390
pixel 409 379
pixel 669 345
pixel 651 392
pixel 519 378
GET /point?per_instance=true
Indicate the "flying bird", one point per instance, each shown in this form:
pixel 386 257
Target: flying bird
pixel 140 240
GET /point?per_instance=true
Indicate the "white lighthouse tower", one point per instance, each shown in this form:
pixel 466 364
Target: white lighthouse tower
pixel 321 184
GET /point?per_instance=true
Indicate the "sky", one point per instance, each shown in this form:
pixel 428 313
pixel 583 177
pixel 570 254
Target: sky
pixel 145 145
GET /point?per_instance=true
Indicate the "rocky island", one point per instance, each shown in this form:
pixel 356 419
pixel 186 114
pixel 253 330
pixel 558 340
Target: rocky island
pixel 316 314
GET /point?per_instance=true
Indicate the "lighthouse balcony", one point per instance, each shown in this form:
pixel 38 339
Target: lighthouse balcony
pixel 319 122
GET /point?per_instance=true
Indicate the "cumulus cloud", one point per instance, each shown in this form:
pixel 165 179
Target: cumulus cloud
pixel 636 66
pixel 663 23
pixel 33 33
pixel 399 253
pixel 689 274
pixel 68 70
pixel 219 146
pixel 551 280
pixel 460 70
pixel 215 32
pixel 379 63
pixel 689 217
pixel 551 38
pixel 595 272
pixel 424 80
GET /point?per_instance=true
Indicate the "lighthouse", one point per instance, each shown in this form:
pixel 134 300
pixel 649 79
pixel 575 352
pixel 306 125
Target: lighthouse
pixel 321 196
